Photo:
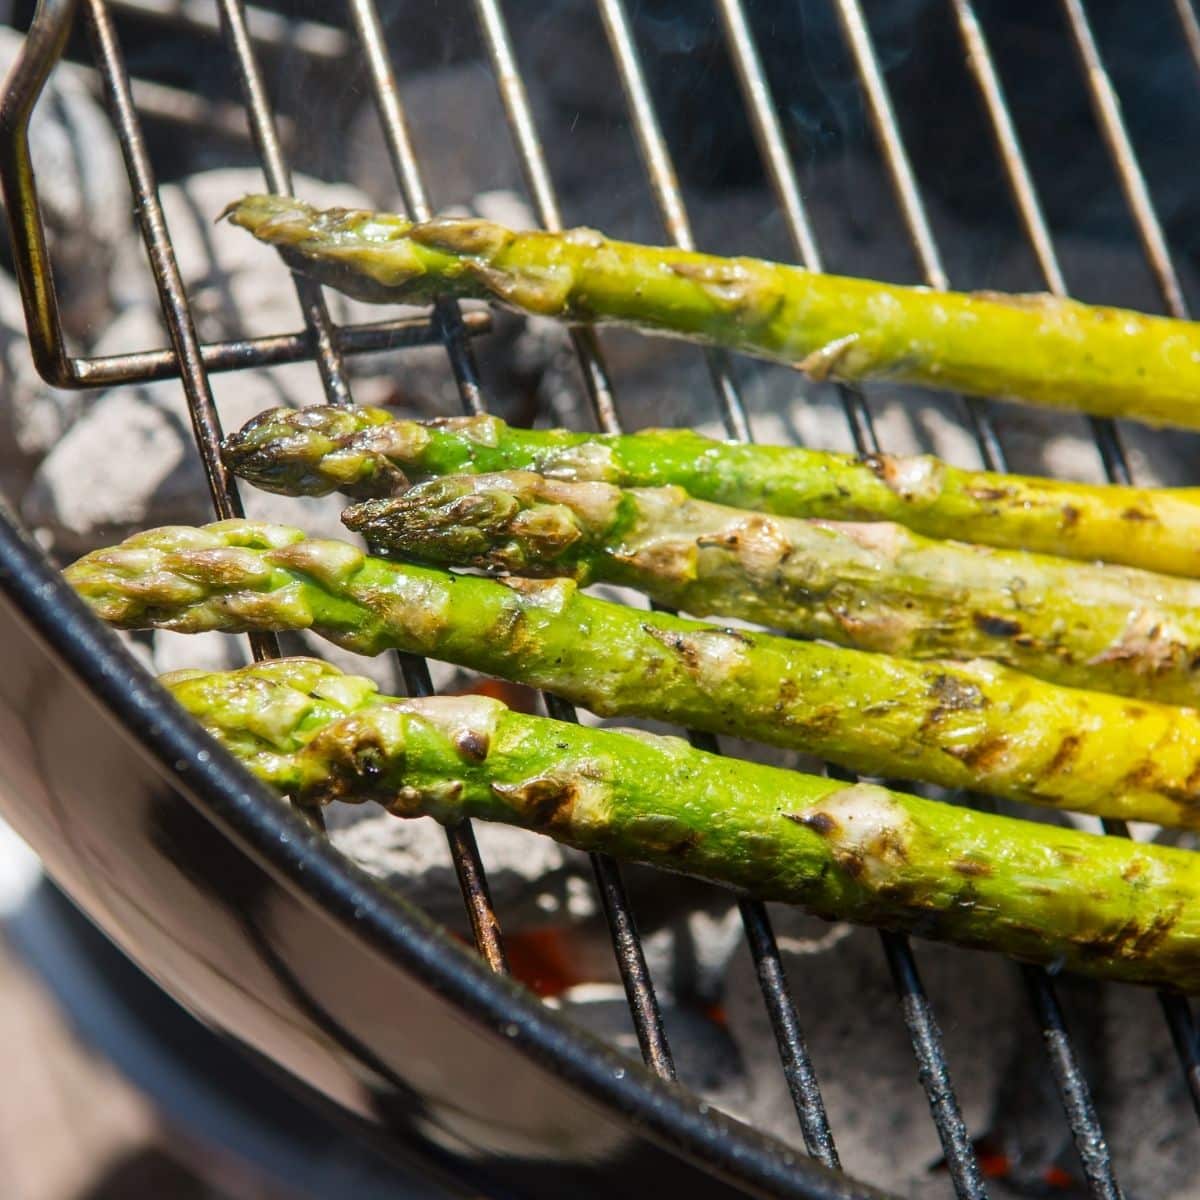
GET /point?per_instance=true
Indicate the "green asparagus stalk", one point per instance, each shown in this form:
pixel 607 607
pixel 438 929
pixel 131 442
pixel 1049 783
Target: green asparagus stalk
pixel 1039 348
pixel 875 586
pixel 366 452
pixel 1106 907
pixel 974 725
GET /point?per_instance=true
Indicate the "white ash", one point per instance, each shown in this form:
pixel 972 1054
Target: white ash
pixel 81 185
pixel 33 415
pixel 530 876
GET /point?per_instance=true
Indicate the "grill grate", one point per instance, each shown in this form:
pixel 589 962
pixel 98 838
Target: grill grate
pixel 326 344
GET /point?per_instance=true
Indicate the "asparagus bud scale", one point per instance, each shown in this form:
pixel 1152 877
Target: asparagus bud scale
pixel 1102 906
pixel 973 725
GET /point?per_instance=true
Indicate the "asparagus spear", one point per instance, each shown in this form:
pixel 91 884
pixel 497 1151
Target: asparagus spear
pixel 367 452
pixel 875 586
pixel 1102 906
pixel 977 725
pixel 1039 348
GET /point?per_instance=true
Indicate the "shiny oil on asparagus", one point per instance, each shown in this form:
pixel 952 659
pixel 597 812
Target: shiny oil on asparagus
pixel 368 452
pixel 876 586
pixel 1039 348
pixel 1106 907
pixel 975 725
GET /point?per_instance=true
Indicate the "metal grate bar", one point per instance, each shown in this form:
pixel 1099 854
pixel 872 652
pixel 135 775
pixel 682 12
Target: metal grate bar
pixel 931 1066
pixel 797 1065
pixel 1107 108
pixel 793 1052
pixel 206 423
pixel 1191 28
pixel 918 1014
pixel 667 196
pixel 1177 1011
pixel 147 366
pixel 1029 209
pixel 1072 1089
pixel 1085 1128
pixel 279 181
pixel 908 196
pixel 764 120
pixel 323 345
pixel 631 959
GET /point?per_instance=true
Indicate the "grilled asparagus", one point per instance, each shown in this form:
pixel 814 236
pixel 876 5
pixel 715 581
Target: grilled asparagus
pixel 1039 348
pixel 1102 906
pixel 974 725
pixel 366 452
pixel 876 586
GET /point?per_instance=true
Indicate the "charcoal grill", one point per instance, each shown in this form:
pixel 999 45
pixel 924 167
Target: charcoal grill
pixel 242 910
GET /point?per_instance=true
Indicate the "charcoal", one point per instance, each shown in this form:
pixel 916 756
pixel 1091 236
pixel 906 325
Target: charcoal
pixel 534 881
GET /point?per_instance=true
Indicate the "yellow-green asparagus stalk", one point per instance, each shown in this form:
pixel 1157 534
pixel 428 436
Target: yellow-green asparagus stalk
pixel 367 452
pixel 1039 348
pixel 1106 907
pixel 876 586
pixel 974 725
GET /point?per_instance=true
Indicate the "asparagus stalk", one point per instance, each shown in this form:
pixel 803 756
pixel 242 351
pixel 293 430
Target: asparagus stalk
pixel 1102 906
pixel 874 586
pixel 1039 348
pixel 366 452
pixel 974 725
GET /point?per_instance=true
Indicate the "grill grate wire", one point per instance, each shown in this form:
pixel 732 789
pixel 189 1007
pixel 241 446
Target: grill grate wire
pixel 324 343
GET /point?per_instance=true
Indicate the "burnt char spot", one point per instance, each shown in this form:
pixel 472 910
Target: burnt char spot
pixel 820 723
pixel 1070 515
pixel 1136 514
pixel 685 845
pixel 972 867
pixel 851 861
pixel 987 494
pixel 983 754
pixel 1133 870
pixel 788 691
pixel 1067 752
pixel 683 646
pixel 546 800
pixel 509 628
pixel 818 822
pixel 1143 776
pixel 471 744
pixel 1132 939
pixel 1134 712
pixel 996 626
pixel 878 464
pixel 952 695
